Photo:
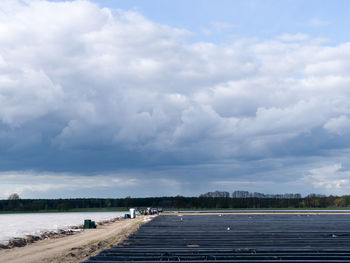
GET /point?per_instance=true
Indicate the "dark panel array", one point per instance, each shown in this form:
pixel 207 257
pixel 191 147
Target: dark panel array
pixel 236 238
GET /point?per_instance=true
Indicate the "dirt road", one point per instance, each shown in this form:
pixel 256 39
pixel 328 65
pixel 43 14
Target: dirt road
pixel 75 248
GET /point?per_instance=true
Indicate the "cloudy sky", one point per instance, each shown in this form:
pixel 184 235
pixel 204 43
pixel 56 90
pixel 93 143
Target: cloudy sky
pixel 149 98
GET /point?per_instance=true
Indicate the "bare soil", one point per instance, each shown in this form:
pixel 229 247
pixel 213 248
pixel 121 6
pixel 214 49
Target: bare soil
pixel 74 248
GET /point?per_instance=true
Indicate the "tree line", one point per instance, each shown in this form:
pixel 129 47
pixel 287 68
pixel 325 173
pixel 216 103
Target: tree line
pixel 204 201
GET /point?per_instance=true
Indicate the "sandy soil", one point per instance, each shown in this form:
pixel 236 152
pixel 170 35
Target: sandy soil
pixel 75 248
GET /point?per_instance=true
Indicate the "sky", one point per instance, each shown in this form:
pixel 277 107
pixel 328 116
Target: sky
pixel 161 98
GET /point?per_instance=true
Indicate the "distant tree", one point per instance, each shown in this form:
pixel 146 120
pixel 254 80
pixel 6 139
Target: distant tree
pixel 13 202
pixel 128 201
pixel 13 196
pixel 338 202
pixel 216 194
pixel 179 201
pixel 65 206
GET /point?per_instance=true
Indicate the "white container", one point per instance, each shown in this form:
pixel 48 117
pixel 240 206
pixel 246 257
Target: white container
pixel 132 213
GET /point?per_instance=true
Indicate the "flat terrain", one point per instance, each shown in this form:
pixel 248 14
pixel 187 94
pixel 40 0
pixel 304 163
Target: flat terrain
pixel 73 210
pixel 75 248
pixel 262 212
pixel 243 237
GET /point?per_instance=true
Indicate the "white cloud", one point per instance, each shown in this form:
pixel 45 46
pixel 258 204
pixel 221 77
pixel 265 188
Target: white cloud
pixel 121 81
pixel 29 184
pixel 339 125
pixel 331 179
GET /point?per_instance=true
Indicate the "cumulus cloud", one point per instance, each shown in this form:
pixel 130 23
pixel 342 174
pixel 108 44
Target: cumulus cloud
pixel 68 185
pixel 339 125
pixel 330 179
pixel 84 86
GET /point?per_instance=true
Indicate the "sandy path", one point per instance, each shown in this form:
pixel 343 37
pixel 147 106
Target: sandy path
pixel 75 248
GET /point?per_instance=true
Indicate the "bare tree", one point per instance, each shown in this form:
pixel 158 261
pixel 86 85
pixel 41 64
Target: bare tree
pixel 14 196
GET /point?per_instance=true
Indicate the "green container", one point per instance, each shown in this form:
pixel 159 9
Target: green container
pixel 87 223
